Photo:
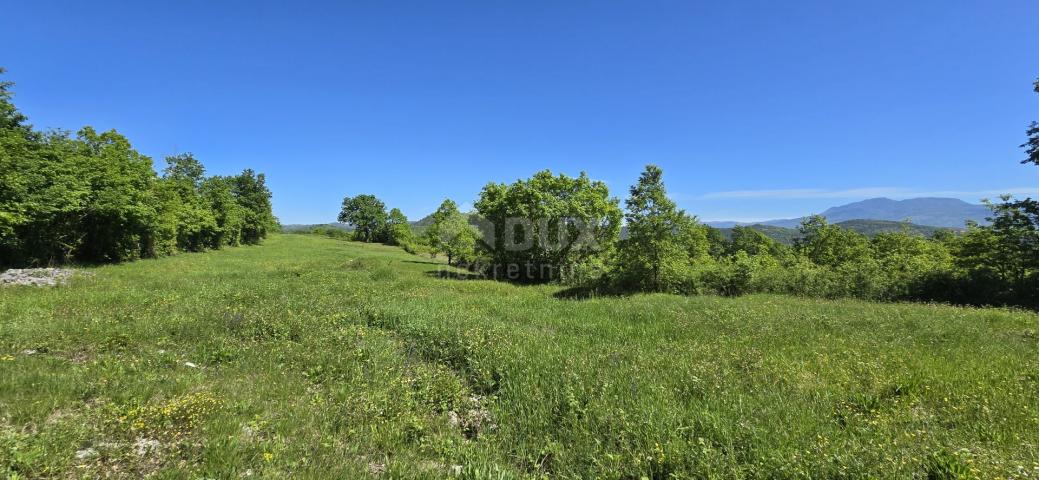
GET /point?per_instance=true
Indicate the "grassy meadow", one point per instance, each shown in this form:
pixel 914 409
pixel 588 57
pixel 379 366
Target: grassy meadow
pixel 317 358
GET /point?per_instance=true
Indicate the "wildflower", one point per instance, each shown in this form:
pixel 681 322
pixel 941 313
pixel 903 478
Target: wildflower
pixel 268 457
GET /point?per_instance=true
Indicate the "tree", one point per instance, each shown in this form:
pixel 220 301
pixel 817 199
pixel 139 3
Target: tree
pixel 10 117
pixel 752 242
pixel 229 215
pixel 366 214
pixel 545 227
pixel 654 251
pixel 184 168
pixel 1008 247
pixel 451 233
pixel 911 262
pixel 251 193
pixel 1006 252
pixel 1032 145
pixel 43 194
pixel 19 157
pixel 830 245
pixel 193 222
pixel 398 230
pixel 717 245
pixel 120 211
pixel 94 198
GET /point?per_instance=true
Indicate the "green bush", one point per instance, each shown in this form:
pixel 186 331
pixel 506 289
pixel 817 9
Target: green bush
pixel 93 198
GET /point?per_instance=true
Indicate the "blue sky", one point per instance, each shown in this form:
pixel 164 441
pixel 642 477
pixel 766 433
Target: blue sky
pixel 755 110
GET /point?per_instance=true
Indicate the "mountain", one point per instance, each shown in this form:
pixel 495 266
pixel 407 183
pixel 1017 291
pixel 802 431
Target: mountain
pixel 780 234
pixel 868 228
pixel 423 222
pixel 931 212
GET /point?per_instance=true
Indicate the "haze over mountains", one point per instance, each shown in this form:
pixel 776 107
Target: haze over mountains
pixel 932 212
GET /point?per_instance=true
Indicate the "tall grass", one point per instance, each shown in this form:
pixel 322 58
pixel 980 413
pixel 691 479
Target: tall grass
pixel 319 358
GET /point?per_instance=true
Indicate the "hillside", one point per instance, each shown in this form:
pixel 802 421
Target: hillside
pixel 783 235
pixel 314 358
pixel 934 212
pixel 421 224
pixel 866 227
pixel 873 227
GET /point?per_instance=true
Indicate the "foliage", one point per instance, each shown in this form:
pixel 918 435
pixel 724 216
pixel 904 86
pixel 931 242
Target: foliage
pixel 93 198
pixel 753 242
pixel 230 216
pixel 1031 146
pixel 451 234
pixel 367 215
pixel 662 240
pixel 547 226
pixel 193 219
pixel 830 245
pixel 251 192
pixel 325 231
pixel 398 230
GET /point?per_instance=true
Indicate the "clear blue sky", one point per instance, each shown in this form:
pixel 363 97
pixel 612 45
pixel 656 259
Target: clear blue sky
pixel 755 110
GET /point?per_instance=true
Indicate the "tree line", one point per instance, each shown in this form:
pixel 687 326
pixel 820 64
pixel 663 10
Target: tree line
pixel 556 228
pixel 90 197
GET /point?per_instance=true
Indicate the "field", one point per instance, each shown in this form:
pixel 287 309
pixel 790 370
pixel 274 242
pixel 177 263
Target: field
pixel 316 358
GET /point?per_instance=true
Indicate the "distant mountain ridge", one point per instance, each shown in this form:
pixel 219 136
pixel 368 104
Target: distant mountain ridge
pixel 869 228
pixel 926 211
pixel 869 217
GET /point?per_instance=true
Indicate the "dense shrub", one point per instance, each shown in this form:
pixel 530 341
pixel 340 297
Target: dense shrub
pixel 93 198
pixel 541 228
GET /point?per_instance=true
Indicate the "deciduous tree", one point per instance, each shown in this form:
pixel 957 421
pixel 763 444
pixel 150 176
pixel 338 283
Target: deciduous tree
pixel 541 228
pixel 450 233
pixel 366 214
pixel 398 230
pixel 656 251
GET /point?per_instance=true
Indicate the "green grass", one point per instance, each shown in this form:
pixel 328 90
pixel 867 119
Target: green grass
pixel 319 358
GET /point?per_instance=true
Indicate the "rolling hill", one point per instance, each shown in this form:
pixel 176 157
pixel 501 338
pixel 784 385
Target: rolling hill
pixel 933 212
pixel 868 228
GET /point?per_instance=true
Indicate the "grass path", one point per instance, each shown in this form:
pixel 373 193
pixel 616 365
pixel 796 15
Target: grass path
pixel 314 358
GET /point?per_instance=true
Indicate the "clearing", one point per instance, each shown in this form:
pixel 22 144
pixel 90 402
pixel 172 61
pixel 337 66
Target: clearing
pixel 319 358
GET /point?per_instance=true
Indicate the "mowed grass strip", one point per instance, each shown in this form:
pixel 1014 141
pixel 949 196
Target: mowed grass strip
pixel 317 358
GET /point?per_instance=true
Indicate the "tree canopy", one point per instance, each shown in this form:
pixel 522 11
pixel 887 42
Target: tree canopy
pixel 94 198
pixel 451 234
pixel 366 214
pixel 662 239
pixel 541 228
pixel 1031 146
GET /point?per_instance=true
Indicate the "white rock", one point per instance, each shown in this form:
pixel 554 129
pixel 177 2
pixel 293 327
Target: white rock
pixel 40 277
pixel 144 446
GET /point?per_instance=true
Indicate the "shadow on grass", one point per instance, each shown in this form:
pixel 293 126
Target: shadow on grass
pixel 585 292
pixel 423 262
pixel 589 292
pixel 455 275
